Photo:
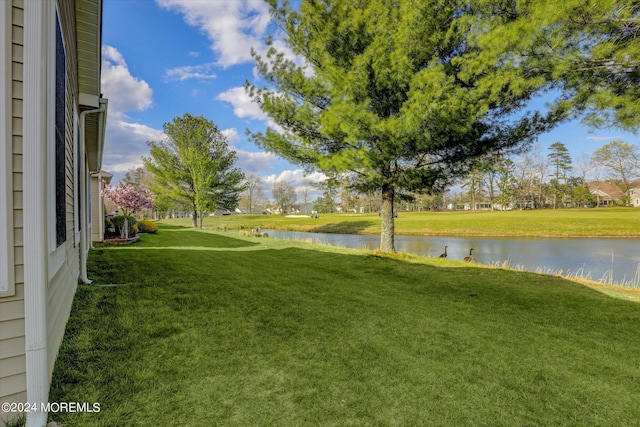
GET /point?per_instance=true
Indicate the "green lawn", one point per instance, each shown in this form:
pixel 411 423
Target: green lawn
pixel 216 329
pixel 621 222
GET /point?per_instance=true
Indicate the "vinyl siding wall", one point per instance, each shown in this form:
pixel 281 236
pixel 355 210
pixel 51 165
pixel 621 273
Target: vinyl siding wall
pixel 12 340
pixel 97 231
pixel 63 283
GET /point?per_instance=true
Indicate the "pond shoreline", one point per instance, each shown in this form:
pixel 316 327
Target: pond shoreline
pixel 600 259
pixel 441 234
pixel 610 223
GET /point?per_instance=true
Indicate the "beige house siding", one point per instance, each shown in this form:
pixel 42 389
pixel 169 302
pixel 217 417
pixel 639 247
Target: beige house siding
pixel 634 197
pixel 12 331
pixel 97 205
pixel 46 302
pixel 62 285
pixel 88 49
pixel 97 216
pixel 60 294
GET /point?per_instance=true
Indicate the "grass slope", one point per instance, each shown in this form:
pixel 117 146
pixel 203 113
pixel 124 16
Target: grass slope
pixel 529 223
pixel 216 330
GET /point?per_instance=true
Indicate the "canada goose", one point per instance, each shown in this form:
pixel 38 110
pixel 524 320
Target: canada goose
pixel 470 257
pixel 444 255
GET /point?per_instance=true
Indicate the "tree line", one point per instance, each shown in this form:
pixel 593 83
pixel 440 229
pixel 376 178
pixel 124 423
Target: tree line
pixel 531 180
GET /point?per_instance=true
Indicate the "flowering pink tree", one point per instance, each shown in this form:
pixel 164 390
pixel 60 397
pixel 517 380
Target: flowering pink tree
pixel 128 199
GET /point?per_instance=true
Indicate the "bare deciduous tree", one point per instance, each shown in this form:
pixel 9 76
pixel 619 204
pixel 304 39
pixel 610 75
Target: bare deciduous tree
pixel 621 160
pixel 284 195
pixel 254 193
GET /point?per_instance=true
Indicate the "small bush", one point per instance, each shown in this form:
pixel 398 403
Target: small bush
pixel 147 226
pixel 118 223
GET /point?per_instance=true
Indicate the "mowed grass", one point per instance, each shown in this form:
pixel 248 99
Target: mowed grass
pixel 621 222
pixel 218 330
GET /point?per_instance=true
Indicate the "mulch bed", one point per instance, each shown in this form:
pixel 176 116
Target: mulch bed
pixel 117 240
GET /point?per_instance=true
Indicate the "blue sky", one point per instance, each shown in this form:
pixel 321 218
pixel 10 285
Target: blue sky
pixel 165 58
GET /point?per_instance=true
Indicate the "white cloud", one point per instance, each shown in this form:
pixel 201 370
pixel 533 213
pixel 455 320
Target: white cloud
pixel 125 140
pixel 125 92
pixel 122 168
pixel 316 177
pixel 110 53
pixel 126 143
pixel 198 72
pixel 602 138
pixel 297 177
pixel 243 105
pixel 141 131
pixel 232 135
pixel 249 161
pixel 245 108
pixel 233 27
pixel 255 162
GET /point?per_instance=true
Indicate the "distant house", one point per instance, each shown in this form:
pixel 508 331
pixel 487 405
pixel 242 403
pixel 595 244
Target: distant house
pixel 606 193
pixel 52 122
pixel 468 206
pixel 634 197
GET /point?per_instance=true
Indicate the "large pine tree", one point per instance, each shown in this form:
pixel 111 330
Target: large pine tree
pixel 393 92
pixel 587 50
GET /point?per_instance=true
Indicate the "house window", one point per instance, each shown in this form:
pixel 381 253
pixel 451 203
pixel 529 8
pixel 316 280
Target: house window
pixel 58 177
pixel 7 283
pixel 60 152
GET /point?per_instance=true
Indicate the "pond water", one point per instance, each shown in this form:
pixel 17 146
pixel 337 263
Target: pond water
pixel 606 260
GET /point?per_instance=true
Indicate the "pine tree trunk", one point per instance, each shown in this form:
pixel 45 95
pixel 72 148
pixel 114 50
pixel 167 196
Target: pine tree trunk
pixel 386 212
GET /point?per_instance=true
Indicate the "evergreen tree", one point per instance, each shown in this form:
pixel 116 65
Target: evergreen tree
pixel 391 91
pixel 587 50
pixel 582 196
pixel 327 202
pixel 561 163
pixel 507 182
pixel 348 197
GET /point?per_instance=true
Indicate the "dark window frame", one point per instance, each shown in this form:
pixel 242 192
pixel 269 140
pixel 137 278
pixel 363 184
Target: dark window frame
pixel 60 137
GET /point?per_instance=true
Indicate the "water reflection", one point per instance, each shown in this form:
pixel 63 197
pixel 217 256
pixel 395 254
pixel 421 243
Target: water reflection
pixel 608 260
